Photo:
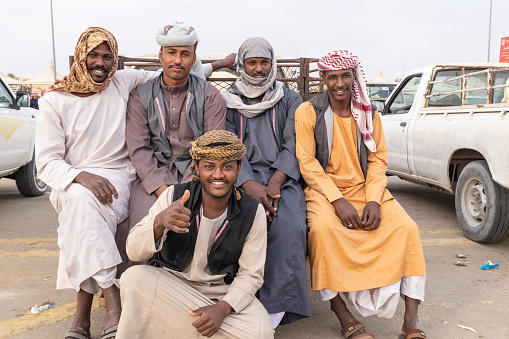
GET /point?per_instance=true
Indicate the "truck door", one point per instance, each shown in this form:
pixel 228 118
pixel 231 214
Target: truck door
pixel 395 121
pixel 15 132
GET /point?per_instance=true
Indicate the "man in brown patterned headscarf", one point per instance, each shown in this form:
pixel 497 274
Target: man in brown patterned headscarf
pixel 90 73
pixel 81 153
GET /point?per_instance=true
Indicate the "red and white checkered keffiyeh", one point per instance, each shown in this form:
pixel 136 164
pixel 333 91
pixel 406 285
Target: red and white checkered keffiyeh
pixel 361 105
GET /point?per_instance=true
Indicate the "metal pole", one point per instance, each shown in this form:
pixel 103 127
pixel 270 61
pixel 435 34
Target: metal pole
pixel 489 32
pixel 53 42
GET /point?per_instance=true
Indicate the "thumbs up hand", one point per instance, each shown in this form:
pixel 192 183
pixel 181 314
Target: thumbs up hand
pixel 174 218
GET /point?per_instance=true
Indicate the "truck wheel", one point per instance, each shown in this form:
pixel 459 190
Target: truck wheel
pixel 27 182
pixel 482 205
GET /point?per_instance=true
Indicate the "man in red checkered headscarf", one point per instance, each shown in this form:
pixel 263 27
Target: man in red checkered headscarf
pixel 361 241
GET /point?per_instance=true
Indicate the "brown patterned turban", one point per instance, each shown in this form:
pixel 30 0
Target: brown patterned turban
pixel 217 145
pixel 79 80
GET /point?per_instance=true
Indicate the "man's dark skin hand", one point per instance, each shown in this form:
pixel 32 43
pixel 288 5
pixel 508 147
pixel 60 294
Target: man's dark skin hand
pixel 101 187
pixel 211 317
pixel 350 218
pixel 371 216
pixel 174 218
pixel 268 195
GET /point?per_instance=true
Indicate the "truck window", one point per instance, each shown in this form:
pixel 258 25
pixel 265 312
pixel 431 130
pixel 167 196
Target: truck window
pixel 477 97
pixel 447 98
pixel 402 102
pixel 5 98
pixel 501 94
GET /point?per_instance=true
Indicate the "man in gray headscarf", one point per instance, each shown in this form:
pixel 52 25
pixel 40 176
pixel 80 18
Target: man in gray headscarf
pixel 165 115
pixel 261 112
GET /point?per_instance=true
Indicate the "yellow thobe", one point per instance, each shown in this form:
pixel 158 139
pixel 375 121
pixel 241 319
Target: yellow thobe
pixel 344 259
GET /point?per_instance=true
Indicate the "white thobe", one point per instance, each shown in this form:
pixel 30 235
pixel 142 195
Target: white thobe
pixel 76 134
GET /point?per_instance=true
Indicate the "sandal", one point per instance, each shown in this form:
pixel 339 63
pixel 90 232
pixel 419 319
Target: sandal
pixel 110 332
pixel 352 328
pixel 413 334
pixel 76 335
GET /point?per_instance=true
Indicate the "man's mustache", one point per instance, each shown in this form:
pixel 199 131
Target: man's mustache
pixel 178 66
pixel 99 68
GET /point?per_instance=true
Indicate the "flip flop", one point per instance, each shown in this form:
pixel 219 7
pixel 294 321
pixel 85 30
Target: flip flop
pixel 413 334
pixel 352 328
pixel 110 332
pixel 76 335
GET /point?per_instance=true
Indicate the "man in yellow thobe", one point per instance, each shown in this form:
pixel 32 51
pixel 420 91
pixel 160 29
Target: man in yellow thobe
pixel 361 241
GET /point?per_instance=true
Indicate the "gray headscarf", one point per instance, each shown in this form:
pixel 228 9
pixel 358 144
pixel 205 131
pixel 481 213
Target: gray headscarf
pixel 250 87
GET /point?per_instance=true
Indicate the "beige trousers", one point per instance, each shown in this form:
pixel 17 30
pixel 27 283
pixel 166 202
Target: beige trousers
pixel 155 304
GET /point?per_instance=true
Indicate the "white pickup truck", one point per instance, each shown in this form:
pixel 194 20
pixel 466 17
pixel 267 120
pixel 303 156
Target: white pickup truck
pixel 447 126
pixel 17 134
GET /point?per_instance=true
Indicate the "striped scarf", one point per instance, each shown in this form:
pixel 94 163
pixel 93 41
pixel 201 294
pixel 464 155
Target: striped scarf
pixel 360 103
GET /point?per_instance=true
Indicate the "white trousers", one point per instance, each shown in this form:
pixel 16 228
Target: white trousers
pixel 382 301
pixel 155 303
pixel 86 233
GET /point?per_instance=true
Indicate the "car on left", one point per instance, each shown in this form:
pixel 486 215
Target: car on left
pixel 17 142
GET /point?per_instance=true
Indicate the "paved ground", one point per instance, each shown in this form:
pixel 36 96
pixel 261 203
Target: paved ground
pixel 455 295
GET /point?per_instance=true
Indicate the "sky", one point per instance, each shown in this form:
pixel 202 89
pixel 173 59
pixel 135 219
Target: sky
pixel 393 36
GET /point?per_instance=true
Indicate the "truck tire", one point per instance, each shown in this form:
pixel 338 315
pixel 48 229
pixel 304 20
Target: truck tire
pixel 482 205
pixel 27 182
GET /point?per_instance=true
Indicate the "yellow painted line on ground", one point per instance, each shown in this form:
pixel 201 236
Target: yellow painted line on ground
pixel 442 231
pixel 453 242
pixel 30 321
pixel 446 242
pixel 27 241
pixel 41 253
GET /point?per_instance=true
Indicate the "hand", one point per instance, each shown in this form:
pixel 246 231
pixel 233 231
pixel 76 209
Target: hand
pixel 160 190
pixel 371 216
pixel 227 62
pixel 259 192
pixel 174 218
pixel 101 187
pixel 211 317
pixel 274 188
pixel 347 213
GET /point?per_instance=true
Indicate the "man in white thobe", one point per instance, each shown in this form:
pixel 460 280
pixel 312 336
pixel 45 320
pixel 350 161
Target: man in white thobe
pixel 81 153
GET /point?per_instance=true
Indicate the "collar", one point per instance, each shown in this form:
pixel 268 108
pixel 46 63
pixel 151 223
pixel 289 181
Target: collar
pixel 321 101
pixel 174 89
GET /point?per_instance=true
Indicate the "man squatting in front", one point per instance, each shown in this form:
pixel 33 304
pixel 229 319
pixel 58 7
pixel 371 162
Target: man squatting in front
pixel 206 238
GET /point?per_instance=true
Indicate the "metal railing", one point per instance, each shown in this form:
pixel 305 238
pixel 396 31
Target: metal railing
pixel 489 87
pixel 299 74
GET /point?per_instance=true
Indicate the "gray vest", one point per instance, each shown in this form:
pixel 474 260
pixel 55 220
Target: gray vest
pixel 152 101
pixel 324 130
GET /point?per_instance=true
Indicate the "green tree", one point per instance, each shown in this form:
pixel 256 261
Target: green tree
pixel 11 75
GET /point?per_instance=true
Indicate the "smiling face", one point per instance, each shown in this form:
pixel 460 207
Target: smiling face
pixel 339 84
pixel 177 63
pixel 217 177
pixel 257 67
pixel 100 62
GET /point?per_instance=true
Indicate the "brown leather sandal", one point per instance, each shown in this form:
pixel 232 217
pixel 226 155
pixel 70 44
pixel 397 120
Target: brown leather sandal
pixel 352 328
pixel 413 334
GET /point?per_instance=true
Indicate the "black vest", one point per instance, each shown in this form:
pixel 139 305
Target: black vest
pixel 178 248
